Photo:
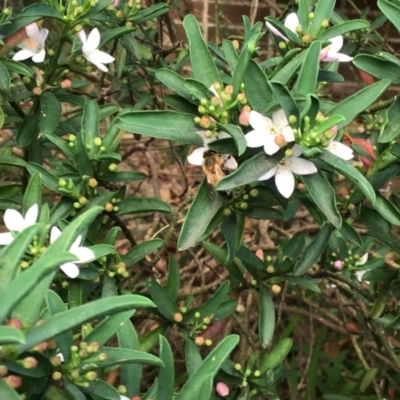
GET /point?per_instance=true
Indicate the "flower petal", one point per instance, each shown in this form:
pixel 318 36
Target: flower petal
pixel 270 147
pixel 13 220
pixel 340 150
pixel 255 138
pixel 296 150
pixel 301 167
pixel 275 31
pixel 23 55
pixel 197 156
pixel 84 254
pixel 336 44
pixel 363 259
pixel 39 57
pixel 268 174
pixel 43 35
pixel 70 269
pixel 55 233
pixel 284 180
pixel 342 57
pixel 92 42
pixel 94 61
pixel 279 119
pixel 6 238
pixel 31 215
pixel 82 36
pixel 288 134
pixel 76 244
pixel 32 30
pixel 102 57
pixel 213 91
pixel 292 22
pixel 258 122
pixel 231 163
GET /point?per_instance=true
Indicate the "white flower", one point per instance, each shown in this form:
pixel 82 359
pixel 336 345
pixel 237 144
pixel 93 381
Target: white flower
pixel 91 52
pixel 15 222
pixel 82 253
pixel 339 149
pixel 291 22
pixel 123 397
pixel 272 134
pixel 197 156
pixel 361 261
pixel 331 52
pixel 33 46
pixel 284 170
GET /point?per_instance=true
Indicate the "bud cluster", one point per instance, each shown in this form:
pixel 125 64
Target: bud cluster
pixel 313 137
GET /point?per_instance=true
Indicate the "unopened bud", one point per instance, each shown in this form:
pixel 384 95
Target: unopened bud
pixel 208 342
pixel 270 269
pixel 199 341
pixel 56 376
pixel 97 142
pixel 244 118
pixel 112 167
pixel 178 317
pixel 92 182
pixel 276 289
pixel 306 39
pixel 37 91
pixel 29 362
pixel 325 23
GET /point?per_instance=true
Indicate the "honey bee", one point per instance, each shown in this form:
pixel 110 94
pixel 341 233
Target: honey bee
pixel 212 166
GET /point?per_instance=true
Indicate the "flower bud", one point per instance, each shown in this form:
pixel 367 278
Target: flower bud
pixel 36 91
pixel 205 122
pixel 238 367
pixel 13 381
pixel 97 142
pixel 244 118
pixel 241 98
pixel 235 44
pixel 338 264
pixel 29 362
pixel 276 289
pixel 197 314
pixel 92 182
pixel 91 376
pixel 227 211
pixel 208 342
pixel 257 373
pixel 3 371
pixel 282 45
pixel 254 192
pixel 306 39
pixel 199 341
pixel 325 23
pixel 112 167
pixel 222 389
pixel 270 269
pixel 178 317
pixel 15 323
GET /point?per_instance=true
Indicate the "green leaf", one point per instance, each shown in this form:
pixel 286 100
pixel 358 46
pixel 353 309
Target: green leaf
pixel 307 80
pixel 173 280
pixel 28 131
pixel 237 135
pixel 380 301
pixel 229 53
pixel 10 335
pixel 130 373
pixel 149 13
pixel 324 196
pixel 258 90
pixel 12 161
pixel 387 210
pixel 141 250
pixel 5 80
pixel 33 194
pixel 208 368
pixel 293 37
pixel 108 327
pixel 61 144
pixel 285 99
pixel 351 173
pixel 17 67
pixel 266 318
pixel 285 74
pixel 322 11
pixel 70 319
pixel 209 308
pixel 203 66
pixel 249 171
pixel 276 355
pixel 50 112
pixel 392 12
pixel 48 179
pixel 355 104
pixel 378 67
pixel 391 128
pixel 207 203
pixel 12 255
pixel 314 250
pixel 303 281
pixel 163 301
pixel 102 389
pixel 347 26
pixel 116 355
pixel 7 393
pixel 241 65
pixel 138 205
pixel 350 234
pixel 174 81
pixel 115 33
pixel 90 122
pixel 166 375
pixel 168 125
pixel 124 176
pixel 373 220
pixel 257 211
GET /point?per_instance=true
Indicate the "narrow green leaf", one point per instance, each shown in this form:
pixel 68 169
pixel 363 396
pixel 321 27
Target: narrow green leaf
pixel 314 250
pixel 138 205
pixel 5 80
pixel 203 66
pixel 249 171
pixel 69 319
pixel 17 67
pixel 322 12
pixel 173 280
pixel 10 335
pixel 7 393
pixel 207 203
pixel 324 196
pixel 351 173
pixel 90 122
pixel 123 176
pixel 378 67
pixel 28 130
pixel 208 368
pixel 387 210
pixel 50 112
pixel 307 80
pixel 33 194
pixel 350 234
pixel 237 135
pixel 116 355
pixel 180 127
pixel 341 29
pixel 102 389
pixel 166 375
pixel 48 179
pixel 355 104
pixel 285 99
pixel 373 220
pixel 149 13
pixel 12 161
pixel 141 250
pixel 61 144
pixel 276 355
pixel 163 301
pixel 174 81
pixel 392 12
pixel 285 74
pixel 391 128
pixel 266 317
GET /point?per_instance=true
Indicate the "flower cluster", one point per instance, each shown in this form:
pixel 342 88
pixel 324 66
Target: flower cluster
pixel 15 222
pixel 33 47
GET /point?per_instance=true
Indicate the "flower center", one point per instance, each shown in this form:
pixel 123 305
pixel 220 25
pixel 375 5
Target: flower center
pixel 33 45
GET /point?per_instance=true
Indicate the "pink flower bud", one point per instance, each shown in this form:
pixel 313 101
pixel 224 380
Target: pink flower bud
pixel 222 389
pixel 244 118
pixel 338 264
